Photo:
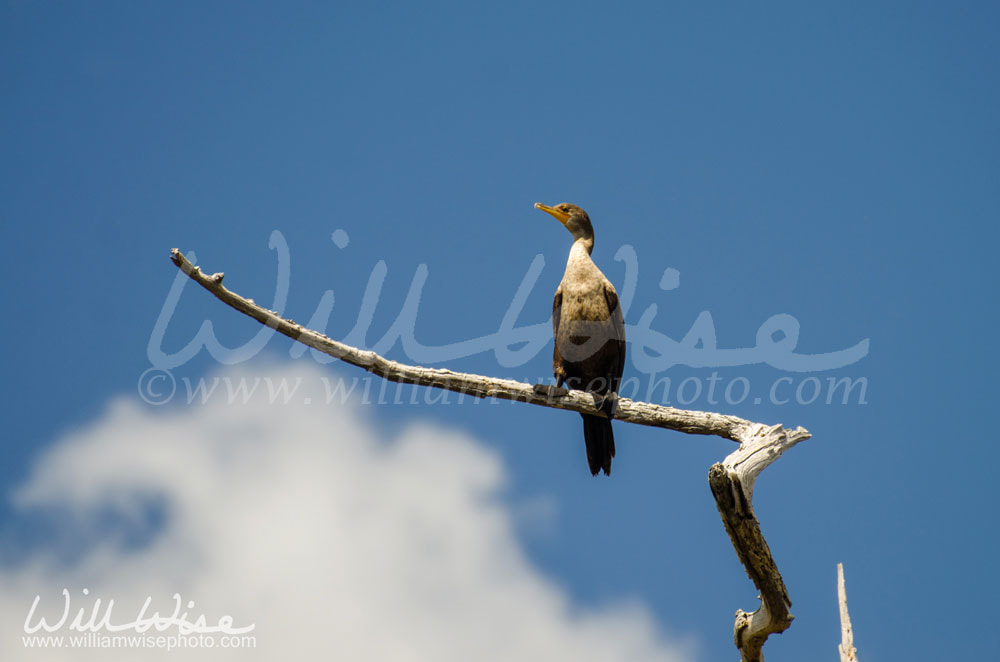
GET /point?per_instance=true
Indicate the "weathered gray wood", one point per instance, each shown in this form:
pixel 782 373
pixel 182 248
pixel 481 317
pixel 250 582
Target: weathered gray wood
pixel 848 653
pixel 641 413
pixel 731 481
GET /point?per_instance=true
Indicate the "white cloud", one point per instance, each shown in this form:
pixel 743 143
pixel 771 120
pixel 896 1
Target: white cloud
pixel 303 519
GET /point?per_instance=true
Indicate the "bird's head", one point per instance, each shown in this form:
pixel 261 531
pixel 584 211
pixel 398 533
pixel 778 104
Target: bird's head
pixel 573 218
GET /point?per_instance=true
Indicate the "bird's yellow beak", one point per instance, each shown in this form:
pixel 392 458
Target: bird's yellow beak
pixel 560 216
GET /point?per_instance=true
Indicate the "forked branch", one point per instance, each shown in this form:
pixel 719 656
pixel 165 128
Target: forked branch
pixel 731 481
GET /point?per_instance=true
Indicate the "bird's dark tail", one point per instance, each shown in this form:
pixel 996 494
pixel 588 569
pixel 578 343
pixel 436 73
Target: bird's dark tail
pixel 600 443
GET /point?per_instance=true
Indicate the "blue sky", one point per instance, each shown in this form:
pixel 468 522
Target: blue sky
pixel 835 164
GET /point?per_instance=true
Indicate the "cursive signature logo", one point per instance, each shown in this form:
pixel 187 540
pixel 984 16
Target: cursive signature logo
pixel 95 619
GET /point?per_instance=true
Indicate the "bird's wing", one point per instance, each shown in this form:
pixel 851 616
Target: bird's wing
pixel 557 363
pixel 618 326
pixel 556 311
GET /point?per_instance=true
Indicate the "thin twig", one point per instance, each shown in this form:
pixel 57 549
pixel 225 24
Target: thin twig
pixel 848 653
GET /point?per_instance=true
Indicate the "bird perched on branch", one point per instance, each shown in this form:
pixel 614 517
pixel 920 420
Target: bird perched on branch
pixel 589 333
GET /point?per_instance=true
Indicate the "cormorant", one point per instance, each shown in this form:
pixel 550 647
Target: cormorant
pixel 589 334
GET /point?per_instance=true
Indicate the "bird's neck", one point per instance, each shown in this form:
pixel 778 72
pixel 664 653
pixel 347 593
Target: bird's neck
pixel 579 262
pixel 582 244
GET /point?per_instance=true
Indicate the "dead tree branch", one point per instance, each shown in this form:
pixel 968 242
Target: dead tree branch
pixel 731 481
pixel 848 653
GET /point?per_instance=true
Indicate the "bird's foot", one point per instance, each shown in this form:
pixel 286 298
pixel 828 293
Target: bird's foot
pixel 608 404
pixel 549 391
